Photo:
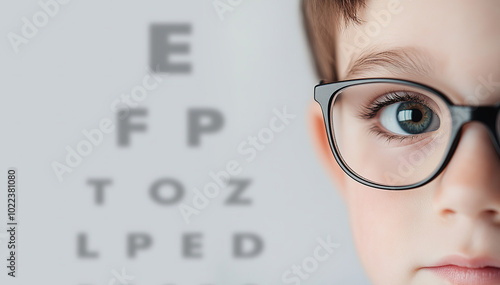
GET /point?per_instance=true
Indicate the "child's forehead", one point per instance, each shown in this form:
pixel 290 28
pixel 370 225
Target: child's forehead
pixel 449 40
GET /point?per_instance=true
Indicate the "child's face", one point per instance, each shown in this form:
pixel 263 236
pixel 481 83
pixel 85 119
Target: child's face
pixel 399 233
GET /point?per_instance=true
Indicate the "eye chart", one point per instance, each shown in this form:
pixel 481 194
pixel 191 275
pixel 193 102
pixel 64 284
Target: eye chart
pixel 163 142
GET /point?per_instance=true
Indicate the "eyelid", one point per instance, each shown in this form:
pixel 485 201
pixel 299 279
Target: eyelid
pixel 370 110
pixel 391 136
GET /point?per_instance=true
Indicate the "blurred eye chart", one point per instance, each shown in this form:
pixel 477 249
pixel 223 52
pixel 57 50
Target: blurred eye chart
pixel 163 143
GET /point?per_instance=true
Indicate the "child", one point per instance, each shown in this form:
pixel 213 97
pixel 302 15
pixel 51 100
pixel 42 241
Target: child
pixel 419 173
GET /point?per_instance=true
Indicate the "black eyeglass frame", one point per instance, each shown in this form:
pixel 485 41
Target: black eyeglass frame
pixel 325 94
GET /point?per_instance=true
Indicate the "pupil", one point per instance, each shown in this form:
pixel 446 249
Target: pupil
pixel 413 117
pixel 416 115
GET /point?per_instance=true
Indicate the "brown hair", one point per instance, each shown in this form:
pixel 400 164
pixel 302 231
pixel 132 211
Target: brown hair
pixel 321 21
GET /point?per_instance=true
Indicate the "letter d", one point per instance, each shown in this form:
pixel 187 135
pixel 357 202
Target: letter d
pixel 383 17
pixel 73 159
pixel 51 7
pixel 28 29
pixel 94 136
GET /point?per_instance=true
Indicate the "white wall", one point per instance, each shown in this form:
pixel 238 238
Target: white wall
pixel 64 80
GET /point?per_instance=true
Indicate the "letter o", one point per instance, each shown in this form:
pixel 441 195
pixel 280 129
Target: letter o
pixel 416 158
pixel 215 190
pixel 372 29
pixel 87 145
pixel 139 93
pixel 45 19
pixel 268 133
pixel 176 186
pixel 310 264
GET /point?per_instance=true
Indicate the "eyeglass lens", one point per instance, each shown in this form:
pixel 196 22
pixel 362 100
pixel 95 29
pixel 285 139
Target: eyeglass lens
pixel 391 134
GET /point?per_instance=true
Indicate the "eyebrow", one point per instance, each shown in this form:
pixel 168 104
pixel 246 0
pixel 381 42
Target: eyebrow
pixel 398 61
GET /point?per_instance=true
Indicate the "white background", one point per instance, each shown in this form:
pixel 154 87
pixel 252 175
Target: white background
pixel 64 80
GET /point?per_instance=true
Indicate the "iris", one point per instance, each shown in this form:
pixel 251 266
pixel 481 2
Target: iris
pixel 413 117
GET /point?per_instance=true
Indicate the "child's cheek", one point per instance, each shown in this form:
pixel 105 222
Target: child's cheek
pixel 385 226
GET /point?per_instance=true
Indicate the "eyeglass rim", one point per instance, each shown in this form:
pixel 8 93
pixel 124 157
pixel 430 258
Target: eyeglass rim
pixel 325 93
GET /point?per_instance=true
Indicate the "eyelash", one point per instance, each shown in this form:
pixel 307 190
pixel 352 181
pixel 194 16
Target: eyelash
pixel 388 136
pixel 371 110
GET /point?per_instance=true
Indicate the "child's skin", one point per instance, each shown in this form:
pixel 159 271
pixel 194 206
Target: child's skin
pixel 399 233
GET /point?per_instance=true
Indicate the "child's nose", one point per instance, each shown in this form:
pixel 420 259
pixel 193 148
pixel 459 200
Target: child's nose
pixel 470 184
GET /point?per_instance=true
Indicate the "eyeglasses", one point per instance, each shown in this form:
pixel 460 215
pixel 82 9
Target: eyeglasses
pixel 396 134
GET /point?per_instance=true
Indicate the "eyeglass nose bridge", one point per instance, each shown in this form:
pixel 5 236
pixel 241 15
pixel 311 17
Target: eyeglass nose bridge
pixel 487 115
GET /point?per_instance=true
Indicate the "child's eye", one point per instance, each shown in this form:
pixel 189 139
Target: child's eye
pixel 408 118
